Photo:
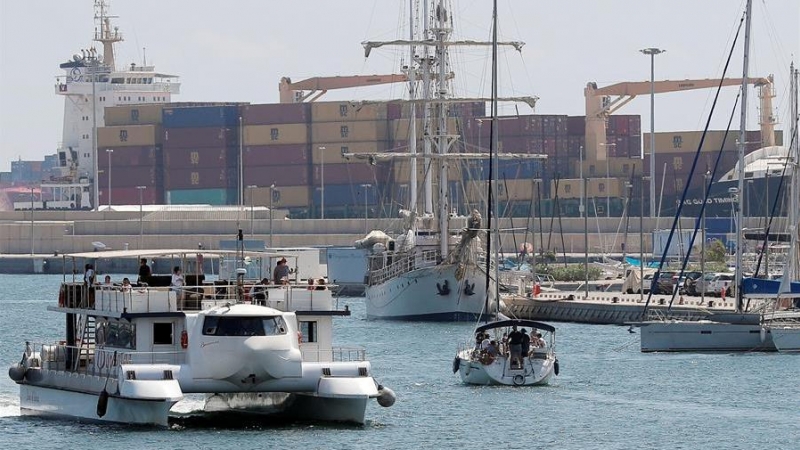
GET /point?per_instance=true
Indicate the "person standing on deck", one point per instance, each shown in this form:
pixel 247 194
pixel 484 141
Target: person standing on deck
pixel 144 271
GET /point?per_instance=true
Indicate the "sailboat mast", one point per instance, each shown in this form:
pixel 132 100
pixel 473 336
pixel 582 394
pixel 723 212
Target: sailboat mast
pixel 426 115
pixel 495 161
pixel 742 145
pixel 412 132
pixel 442 140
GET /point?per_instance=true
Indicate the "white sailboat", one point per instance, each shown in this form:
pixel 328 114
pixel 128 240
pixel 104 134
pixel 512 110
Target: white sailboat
pixel 723 332
pixel 502 352
pixel 432 271
pixel 785 325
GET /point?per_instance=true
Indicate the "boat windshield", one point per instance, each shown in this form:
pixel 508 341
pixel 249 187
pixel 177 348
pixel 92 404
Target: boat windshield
pixel 244 326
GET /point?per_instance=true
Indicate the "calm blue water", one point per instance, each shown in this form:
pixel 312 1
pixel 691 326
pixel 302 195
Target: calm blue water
pixel 608 396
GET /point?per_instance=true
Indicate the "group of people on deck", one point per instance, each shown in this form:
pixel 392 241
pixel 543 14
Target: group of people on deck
pixel 516 345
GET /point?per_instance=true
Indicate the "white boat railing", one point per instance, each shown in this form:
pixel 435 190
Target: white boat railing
pixel 392 265
pixel 335 354
pixel 149 299
pixel 93 360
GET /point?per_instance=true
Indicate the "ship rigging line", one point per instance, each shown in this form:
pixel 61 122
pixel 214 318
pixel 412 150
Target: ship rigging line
pixel 677 217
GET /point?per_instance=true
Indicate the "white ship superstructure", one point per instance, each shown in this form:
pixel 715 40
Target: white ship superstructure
pixel 90 83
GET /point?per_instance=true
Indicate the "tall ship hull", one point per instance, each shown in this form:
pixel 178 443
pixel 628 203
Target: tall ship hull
pixel 434 293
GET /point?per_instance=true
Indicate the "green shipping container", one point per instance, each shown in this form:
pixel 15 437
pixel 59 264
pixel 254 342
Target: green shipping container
pixel 200 196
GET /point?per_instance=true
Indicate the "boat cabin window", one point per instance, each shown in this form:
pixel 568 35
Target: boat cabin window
pixel 116 333
pixel 309 331
pixel 117 80
pixel 244 326
pixel 162 333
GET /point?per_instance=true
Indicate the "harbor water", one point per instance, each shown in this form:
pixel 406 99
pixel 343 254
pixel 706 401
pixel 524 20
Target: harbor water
pixel 608 395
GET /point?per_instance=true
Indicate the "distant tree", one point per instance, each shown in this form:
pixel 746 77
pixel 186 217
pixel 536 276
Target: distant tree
pixel 715 251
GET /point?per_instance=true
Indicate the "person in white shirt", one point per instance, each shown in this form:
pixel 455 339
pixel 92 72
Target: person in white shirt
pixel 177 285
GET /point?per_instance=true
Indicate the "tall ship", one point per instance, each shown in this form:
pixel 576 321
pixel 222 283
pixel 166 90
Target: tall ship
pixel 91 82
pixel 434 270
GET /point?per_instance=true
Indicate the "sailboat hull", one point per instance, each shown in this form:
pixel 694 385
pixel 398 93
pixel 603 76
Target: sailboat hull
pixel 420 295
pixel 786 339
pixel 535 371
pixel 705 336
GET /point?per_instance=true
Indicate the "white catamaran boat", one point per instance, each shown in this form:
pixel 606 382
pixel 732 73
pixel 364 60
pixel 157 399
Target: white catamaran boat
pixel 432 271
pixel 130 352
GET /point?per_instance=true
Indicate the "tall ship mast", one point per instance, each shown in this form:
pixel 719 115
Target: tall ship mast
pixel 90 83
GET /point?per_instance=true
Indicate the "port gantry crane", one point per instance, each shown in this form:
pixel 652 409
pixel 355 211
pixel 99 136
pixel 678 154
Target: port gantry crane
pixel 600 105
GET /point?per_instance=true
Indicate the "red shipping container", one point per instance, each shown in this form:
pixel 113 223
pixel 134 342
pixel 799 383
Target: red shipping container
pixel 634 125
pixel 293 175
pixel 198 178
pixel 634 147
pixel 549 146
pixel 200 137
pixel 549 125
pixel 202 157
pixel 276 113
pixel 129 176
pixel 130 196
pixel 276 155
pixel 561 126
pixel 562 147
pixel 129 156
pixel 536 125
pixel 357 172
pixel 509 126
pixel 621 125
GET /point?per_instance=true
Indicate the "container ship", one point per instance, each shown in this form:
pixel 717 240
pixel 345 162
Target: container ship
pixel 150 150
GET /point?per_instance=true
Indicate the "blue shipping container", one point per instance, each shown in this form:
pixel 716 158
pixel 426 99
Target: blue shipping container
pixel 346 194
pixel 201 116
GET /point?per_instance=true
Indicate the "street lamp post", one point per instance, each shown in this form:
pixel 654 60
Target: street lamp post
pixel 109 151
pixel 271 196
pixel 250 188
pixel 32 208
pixel 652 52
pixel 366 210
pixel 322 182
pixel 141 217
pixel 641 239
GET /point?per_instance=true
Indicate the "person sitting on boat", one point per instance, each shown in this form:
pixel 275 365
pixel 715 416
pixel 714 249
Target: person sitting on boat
pixel 107 281
pixel 310 284
pixel 492 349
pixel 321 284
pixel 515 346
pixel 526 342
pixel 259 292
pixel 176 285
pixel 126 285
pixel 540 342
pixel 485 342
pixel 144 272
pixel 478 339
pixel 532 337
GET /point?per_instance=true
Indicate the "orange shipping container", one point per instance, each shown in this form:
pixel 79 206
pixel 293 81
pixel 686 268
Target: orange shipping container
pixel 296 133
pixel 687 141
pixel 129 135
pixel 349 131
pixel 595 188
pixel 285 196
pixel 346 111
pixel 133 115
pixel 333 150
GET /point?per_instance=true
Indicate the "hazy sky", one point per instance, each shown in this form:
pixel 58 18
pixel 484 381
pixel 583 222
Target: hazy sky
pixel 239 50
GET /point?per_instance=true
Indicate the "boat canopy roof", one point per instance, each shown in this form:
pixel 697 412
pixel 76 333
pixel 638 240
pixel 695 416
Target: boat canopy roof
pixel 517 322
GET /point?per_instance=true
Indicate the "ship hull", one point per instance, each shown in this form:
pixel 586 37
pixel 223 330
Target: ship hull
pixel 705 336
pixel 419 295
pixel 759 197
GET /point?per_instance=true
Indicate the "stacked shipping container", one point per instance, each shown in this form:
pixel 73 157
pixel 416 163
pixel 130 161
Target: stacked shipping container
pixel 201 154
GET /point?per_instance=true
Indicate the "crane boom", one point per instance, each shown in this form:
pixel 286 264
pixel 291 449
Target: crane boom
pixel 318 86
pixel 600 105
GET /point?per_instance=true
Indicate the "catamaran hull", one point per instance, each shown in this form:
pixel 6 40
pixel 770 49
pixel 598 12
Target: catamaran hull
pixel 535 372
pixel 421 295
pixel 705 336
pixel 61 403
pixel 279 406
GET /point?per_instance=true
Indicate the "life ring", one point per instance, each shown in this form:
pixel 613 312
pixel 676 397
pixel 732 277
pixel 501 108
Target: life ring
pixel 518 380
pixel 184 339
pixel 486 359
